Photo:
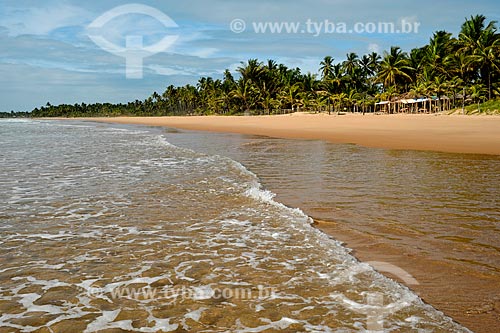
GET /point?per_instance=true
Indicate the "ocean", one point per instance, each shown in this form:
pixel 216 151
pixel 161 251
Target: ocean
pixel 116 228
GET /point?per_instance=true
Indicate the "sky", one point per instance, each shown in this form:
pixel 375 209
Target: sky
pixel 49 53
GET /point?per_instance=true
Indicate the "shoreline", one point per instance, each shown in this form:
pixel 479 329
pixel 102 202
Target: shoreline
pixel 438 282
pixel 443 133
pixel 466 308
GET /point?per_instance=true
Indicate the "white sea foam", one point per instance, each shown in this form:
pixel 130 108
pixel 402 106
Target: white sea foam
pixel 16 120
pixel 195 315
pixel 104 322
pixel 281 324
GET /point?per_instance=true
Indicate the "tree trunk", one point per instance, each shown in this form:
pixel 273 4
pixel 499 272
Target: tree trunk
pixel 463 101
pixel 489 85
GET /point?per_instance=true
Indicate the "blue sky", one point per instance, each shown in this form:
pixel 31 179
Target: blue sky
pixel 46 53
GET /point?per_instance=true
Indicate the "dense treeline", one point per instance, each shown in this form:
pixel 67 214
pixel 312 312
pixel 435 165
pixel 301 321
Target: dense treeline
pixel 13 114
pixel 463 69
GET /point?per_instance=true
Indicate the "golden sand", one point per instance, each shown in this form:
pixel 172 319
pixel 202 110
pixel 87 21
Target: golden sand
pixel 455 133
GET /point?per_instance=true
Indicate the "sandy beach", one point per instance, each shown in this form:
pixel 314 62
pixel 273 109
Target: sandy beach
pixel 455 133
pixel 439 283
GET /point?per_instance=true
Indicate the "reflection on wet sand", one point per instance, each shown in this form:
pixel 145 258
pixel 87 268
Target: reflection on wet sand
pixel 434 214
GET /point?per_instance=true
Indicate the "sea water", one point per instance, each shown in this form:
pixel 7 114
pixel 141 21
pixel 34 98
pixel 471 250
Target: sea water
pixel 116 228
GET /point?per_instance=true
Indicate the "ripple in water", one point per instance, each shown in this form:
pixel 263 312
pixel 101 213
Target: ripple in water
pixel 113 229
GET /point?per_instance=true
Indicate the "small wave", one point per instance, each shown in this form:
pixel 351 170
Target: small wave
pixel 16 120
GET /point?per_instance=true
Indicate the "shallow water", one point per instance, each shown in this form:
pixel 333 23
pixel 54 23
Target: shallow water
pixel 445 204
pixel 106 227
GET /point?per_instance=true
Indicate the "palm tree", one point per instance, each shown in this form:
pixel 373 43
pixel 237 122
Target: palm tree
pixel 475 32
pixel 496 90
pixel 242 92
pixel 416 60
pixel 228 80
pixel 290 96
pixel 351 63
pixel 459 65
pixel 326 68
pixel 365 64
pixel 388 95
pixel 309 89
pixel 480 42
pixel 271 79
pixel 351 98
pixel 393 68
pixel 340 99
pixel 456 86
pixel 436 52
pixel 488 58
pixel 267 102
pixel 252 71
pixel 418 89
pixel 271 65
pixel 374 61
pixel 338 78
pixel 439 87
pixel 477 93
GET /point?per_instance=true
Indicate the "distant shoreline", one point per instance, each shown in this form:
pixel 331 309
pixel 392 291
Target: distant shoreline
pixel 431 132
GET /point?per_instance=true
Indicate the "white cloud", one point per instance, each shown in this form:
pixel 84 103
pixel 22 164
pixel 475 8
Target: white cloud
pixel 306 64
pixel 46 53
pixel 41 20
pixel 203 52
pixel 161 70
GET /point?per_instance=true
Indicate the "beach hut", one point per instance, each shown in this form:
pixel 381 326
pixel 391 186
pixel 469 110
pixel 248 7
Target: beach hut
pixel 422 104
pixel 406 105
pixel 416 105
pixel 383 106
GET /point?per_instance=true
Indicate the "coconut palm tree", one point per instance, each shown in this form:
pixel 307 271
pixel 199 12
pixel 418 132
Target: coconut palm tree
pixel 242 92
pixel 394 68
pixel 488 57
pixel 480 42
pixel 458 65
pixel 252 70
pixel 337 80
pixel 456 87
pixel 475 32
pixel 435 53
pixel 374 61
pixel 290 96
pixel 477 93
pixel 338 101
pixel 326 68
pixel 351 63
pixel 365 65
pixel 351 98
pixel 439 86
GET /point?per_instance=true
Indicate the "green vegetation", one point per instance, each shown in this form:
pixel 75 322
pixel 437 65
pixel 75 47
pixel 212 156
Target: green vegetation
pixel 13 114
pixel 453 71
pixel 489 107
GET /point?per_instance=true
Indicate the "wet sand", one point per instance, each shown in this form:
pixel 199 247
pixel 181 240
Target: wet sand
pixel 463 294
pixel 454 133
